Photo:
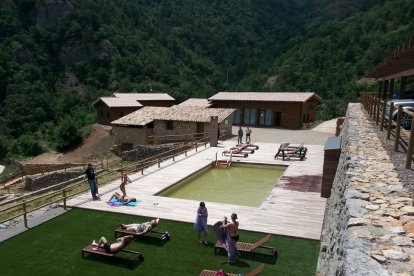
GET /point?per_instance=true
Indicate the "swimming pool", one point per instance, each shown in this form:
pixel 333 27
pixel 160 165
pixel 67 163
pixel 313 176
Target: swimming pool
pixel 242 184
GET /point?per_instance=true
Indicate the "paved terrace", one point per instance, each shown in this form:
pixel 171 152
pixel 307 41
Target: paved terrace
pixel 293 208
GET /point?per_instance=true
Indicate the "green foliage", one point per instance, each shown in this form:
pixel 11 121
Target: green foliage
pixel 26 145
pixel 55 61
pixel 67 134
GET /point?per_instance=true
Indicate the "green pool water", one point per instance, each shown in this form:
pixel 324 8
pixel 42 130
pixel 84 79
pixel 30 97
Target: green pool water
pixel 241 184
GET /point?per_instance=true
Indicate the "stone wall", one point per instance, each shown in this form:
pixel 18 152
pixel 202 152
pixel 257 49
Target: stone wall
pixel 40 182
pixel 143 152
pixel 369 221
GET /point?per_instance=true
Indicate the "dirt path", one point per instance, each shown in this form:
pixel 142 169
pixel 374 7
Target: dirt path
pixel 98 142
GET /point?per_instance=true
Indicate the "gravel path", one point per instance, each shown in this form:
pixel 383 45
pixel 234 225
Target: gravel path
pixel 398 159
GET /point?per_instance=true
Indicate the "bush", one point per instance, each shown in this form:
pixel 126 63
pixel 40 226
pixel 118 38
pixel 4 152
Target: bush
pixel 67 134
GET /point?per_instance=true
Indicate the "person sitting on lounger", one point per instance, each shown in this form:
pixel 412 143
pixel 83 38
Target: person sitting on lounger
pixel 120 198
pixel 141 228
pixel 112 247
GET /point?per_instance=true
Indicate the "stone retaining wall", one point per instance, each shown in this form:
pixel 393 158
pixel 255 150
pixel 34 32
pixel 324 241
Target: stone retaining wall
pixel 141 152
pixel 369 221
pixel 40 182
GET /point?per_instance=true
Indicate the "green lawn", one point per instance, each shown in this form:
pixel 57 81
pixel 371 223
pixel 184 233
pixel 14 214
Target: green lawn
pixel 53 248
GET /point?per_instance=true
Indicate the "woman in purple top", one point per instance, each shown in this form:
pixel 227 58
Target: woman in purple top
pixel 201 223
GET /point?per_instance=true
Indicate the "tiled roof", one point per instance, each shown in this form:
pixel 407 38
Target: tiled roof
pixel 148 114
pixel 265 96
pixel 196 102
pixel 195 114
pixel 141 117
pixel 145 96
pixel 118 102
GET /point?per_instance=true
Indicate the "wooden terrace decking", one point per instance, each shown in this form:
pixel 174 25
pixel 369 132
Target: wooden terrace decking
pixel 288 209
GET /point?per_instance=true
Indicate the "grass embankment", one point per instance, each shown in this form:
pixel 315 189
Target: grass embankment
pixel 53 248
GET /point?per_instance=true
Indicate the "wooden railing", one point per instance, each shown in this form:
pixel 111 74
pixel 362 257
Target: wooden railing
pixel 25 204
pixel 381 112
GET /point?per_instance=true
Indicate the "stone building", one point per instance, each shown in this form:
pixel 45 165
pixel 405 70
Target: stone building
pixel 291 110
pixel 156 125
pixel 109 109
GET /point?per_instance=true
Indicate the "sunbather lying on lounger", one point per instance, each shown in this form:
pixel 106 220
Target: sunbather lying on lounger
pixel 141 228
pixel 120 198
pixel 120 243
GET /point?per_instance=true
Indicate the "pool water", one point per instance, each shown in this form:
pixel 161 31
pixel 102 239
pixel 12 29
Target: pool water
pixel 241 184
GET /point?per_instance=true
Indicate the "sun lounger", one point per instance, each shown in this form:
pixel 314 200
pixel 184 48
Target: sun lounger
pixel 289 152
pixel 250 247
pixel 248 145
pixel 235 153
pixel 163 235
pixel 254 272
pixel 89 249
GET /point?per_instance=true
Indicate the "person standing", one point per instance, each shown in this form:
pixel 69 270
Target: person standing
pixel 233 225
pixel 124 180
pixel 90 174
pixel 240 135
pixel 248 132
pixel 201 223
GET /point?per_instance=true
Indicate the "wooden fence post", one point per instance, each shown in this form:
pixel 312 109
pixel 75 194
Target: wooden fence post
pixel 64 199
pixel 398 129
pixel 389 127
pixel 25 215
pixel 374 113
pixel 384 106
pixel 410 149
pixel 378 110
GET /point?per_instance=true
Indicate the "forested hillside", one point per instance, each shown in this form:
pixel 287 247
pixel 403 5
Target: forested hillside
pixel 58 56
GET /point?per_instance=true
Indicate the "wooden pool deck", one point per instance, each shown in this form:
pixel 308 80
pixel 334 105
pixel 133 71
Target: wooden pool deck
pixel 292 208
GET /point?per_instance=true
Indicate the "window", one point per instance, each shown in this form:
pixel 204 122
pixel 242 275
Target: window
pixel 236 116
pixel 169 125
pixel 107 114
pixel 250 116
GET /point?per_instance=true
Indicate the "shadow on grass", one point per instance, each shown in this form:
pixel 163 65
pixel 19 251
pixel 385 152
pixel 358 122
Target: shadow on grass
pixel 115 261
pixel 253 256
pixel 152 240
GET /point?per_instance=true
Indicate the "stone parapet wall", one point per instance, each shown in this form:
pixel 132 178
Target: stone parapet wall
pixel 369 221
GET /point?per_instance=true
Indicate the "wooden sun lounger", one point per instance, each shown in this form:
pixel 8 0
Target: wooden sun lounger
pixel 254 272
pixel 239 154
pixel 163 235
pixel 243 149
pixel 89 249
pixel 256 147
pixel 292 152
pixel 250 247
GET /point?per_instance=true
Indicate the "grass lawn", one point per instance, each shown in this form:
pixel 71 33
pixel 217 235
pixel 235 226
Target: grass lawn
pixel 53 248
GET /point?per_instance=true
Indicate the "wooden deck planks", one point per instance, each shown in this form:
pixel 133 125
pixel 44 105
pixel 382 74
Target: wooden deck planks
pixel 284 212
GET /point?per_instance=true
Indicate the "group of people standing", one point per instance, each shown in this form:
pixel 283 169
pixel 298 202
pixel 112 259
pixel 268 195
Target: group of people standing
pixel 240 134
pixel 227 232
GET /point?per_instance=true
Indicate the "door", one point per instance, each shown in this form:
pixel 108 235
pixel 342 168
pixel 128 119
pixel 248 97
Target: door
pixel 262 116
pixel 278 118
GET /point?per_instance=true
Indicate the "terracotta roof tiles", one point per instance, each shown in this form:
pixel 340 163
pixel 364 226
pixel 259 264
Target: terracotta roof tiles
pixel 265 96
pixel 196 102
pixel 148 114
pixel 145 96
pixel 118 102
